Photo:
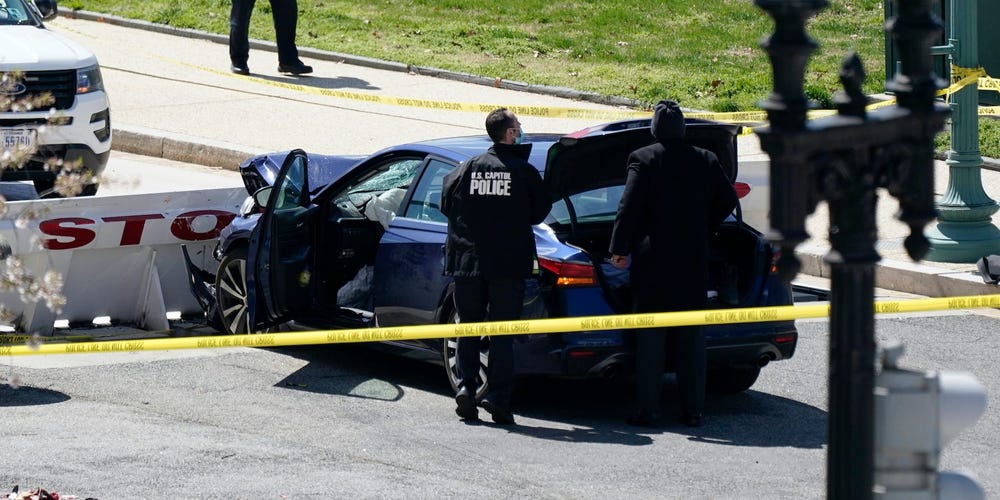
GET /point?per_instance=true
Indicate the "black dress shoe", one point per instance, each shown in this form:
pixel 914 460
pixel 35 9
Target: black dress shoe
pixel 500 413
pixel 465 405
pixel 240 69
pixel 294 68
pixel 644 418
pixel 693 419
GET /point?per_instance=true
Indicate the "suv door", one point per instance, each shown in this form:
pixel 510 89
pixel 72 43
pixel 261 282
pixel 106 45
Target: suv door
pixel 281 248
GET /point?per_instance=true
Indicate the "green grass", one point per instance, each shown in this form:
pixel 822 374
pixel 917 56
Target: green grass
pixel 989 138
pixel 704 54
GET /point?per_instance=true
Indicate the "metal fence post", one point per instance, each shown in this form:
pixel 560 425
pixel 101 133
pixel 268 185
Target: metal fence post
pixel 843 160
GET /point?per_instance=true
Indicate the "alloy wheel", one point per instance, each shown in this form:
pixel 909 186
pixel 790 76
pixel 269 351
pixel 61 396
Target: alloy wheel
pixel 231 292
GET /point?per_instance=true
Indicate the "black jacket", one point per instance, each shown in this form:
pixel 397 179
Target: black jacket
pixel 491 202
pixel 675 196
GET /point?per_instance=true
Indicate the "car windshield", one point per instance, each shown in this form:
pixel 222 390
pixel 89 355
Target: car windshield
pixel 14 12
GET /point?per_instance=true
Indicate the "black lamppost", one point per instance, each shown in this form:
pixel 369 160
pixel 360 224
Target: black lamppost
pixel 843 159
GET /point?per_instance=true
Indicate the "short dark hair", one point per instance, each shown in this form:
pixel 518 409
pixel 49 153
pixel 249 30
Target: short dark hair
pixel 497 123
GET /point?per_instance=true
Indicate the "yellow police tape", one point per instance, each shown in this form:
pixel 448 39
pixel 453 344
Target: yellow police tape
pixel 521 327
pixel 961 77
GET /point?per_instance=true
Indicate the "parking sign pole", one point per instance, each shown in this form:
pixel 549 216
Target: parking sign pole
pixel 843 160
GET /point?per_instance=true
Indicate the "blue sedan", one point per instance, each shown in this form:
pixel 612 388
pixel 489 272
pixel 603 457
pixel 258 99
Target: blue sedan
pixel 349 242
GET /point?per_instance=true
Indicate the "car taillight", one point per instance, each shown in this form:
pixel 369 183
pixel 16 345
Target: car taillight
pixel 774 261
pixel 569 273
pixel 742 189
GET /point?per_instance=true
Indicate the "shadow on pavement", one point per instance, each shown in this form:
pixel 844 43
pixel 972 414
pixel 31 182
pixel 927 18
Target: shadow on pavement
pixel 594 408
pixel 29 396
pixel 319 82
pixel 359 371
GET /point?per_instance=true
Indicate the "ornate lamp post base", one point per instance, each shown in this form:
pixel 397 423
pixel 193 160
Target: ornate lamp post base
pixel 964 231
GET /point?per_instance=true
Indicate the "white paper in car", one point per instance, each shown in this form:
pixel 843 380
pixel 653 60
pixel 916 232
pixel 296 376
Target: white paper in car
pixel 382 208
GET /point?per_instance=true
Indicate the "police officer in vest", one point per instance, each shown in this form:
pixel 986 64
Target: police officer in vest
pixel 491 201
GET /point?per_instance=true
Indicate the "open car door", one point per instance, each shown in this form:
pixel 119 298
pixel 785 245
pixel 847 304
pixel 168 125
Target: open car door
pixel 280 256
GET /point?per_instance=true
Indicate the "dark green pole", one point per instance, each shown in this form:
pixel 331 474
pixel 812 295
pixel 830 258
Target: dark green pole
pixel 965 230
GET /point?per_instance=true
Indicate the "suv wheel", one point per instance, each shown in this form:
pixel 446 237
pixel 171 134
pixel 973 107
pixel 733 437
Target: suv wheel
pixel 231 291
pixel 449 354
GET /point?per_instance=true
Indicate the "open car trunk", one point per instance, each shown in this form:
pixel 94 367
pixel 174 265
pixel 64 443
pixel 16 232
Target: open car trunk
pixel 738 264
pixel 586 176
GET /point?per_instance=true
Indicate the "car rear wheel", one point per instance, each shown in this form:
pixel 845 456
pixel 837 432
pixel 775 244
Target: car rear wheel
pixel 449 354
pixel 732 379
pixel 231 291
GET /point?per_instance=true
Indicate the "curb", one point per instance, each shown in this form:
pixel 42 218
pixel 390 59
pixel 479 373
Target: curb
pixel 179 147
pixel 910 277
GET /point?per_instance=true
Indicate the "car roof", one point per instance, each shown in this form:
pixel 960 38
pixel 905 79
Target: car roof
pixel 463 148
pixel 570 163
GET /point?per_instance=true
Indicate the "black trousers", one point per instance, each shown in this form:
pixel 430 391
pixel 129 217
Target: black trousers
pixel 687 344
pixel 488 299
pixel 286 16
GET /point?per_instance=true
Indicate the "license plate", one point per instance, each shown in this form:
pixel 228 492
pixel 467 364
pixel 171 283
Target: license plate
pixel 15 138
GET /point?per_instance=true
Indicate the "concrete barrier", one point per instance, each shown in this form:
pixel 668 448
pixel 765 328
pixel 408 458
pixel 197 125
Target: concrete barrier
pixel 119 256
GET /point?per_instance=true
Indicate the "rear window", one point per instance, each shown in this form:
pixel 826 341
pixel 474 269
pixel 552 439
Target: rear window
pixel 596 205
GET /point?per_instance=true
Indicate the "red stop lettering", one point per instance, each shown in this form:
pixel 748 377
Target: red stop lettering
pixel 80 236
pixel 134 224
pixel 181 228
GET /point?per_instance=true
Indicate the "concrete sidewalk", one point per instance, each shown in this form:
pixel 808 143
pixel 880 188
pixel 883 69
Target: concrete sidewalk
pixel 172 96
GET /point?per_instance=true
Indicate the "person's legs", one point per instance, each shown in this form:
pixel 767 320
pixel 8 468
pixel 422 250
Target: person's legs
pixel 690 372
pixel 648 373
pixel 506 301
pixel 470 302
pixel 239 29
pixel 286 17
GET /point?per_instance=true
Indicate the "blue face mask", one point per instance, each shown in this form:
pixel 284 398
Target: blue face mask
pixel 520 136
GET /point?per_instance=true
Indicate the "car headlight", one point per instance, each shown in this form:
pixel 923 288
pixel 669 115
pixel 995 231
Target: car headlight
pixel 89 80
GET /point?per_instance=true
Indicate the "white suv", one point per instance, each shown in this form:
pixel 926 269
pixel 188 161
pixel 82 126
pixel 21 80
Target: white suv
pixel 81 130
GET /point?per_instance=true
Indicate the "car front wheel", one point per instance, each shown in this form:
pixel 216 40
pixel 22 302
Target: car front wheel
pixel 449 354
pixel 231 291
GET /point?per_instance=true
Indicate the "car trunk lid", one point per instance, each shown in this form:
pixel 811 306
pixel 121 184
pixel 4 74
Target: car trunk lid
pixel 597 157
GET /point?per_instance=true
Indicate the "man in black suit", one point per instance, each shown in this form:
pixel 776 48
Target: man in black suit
pixel 675 196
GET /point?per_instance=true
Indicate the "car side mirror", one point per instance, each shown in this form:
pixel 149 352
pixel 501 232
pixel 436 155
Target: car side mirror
pixel 47 8
pixel 262 195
